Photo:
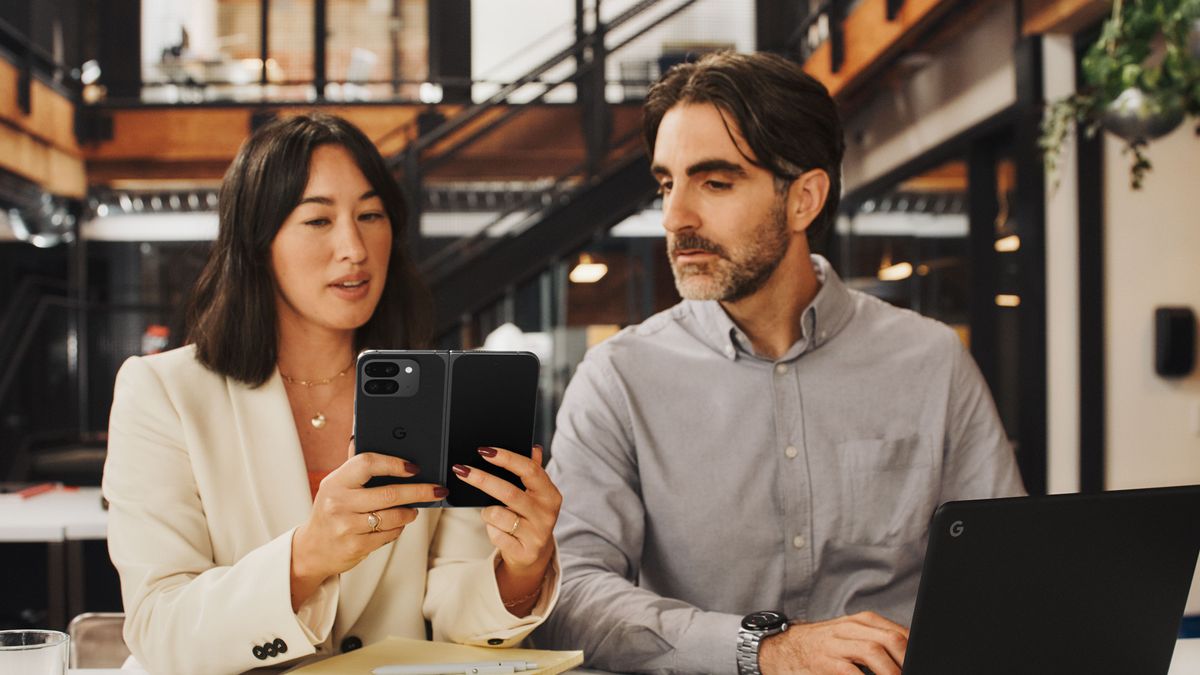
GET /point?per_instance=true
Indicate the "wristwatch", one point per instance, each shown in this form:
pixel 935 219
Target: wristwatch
pixel 755 627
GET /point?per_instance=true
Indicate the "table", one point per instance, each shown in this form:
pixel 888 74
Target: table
pixel 1185 662
pixel 62 519
pixel 1187 657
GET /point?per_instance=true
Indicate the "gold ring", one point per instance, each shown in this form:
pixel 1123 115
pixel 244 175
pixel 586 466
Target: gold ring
pixel 512 531
pixel 373 521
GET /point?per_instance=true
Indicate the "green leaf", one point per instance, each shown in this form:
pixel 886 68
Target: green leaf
pixel 1130 74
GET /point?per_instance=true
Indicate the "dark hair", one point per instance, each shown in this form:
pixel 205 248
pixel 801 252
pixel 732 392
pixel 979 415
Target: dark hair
pixel 786 116
pixel 231 313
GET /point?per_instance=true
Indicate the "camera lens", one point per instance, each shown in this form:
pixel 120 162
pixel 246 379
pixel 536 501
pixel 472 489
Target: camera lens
pixel 381 369
pixel 381 387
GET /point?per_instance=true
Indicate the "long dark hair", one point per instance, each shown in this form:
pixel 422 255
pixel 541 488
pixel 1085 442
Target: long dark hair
pixel 786 116
pixel 231 313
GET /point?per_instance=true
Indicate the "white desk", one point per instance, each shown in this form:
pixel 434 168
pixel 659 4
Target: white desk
pixel 58 515
pixel 61 519
pixel 1185 662
pixel 1187 658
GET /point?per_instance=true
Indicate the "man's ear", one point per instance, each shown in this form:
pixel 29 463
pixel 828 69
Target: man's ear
pixel 806 197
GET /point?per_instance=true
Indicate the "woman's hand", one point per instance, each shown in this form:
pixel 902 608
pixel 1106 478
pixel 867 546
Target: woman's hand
pixel 523 529
pixel 338 533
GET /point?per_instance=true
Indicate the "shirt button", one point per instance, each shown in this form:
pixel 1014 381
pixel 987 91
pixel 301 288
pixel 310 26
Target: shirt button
pixel 791 452
pixel 781 369
pixel 729 351
pixel 798 541
pixel 350 643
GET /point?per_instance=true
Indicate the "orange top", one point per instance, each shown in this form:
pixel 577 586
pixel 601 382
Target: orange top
pixel 314 481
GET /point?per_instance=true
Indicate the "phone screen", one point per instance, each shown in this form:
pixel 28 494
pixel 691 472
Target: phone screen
pixel 493 401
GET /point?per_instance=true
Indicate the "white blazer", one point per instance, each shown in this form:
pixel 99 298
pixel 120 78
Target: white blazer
pixel 206 483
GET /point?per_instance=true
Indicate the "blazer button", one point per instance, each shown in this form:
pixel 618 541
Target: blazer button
pixel 350 643
pixel 269 648
pixel 280 645
pixel 259 653
pixel 495 641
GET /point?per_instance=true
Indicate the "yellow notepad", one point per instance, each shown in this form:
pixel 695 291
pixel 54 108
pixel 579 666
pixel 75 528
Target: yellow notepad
pixel 406 651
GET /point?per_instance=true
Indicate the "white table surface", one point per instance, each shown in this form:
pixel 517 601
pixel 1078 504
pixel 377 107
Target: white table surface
pixel 1185 662
pixel 53 516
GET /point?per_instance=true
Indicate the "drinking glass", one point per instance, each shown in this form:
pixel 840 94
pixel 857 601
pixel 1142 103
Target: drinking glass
pixel 34 652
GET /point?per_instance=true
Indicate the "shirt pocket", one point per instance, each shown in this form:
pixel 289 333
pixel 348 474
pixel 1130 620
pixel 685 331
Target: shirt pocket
pixel 889 490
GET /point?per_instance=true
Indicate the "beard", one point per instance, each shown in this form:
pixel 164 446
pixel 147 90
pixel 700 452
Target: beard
pixel 737 272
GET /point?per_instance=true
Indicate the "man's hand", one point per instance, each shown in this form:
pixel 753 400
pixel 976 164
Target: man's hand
pixel 836 647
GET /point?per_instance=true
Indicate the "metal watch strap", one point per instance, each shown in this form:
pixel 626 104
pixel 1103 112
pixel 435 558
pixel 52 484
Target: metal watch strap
pixel 751 632
pixel 747 651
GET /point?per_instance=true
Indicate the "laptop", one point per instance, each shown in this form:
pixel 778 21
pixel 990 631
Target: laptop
pixel 1056 585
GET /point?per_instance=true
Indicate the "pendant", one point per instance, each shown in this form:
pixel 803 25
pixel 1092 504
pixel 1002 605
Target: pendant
pixel 318 420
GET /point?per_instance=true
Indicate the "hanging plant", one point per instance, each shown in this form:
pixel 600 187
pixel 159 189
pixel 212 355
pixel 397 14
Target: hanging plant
pixel 1141 78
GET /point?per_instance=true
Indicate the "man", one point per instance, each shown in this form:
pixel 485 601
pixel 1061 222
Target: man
pixel 776 441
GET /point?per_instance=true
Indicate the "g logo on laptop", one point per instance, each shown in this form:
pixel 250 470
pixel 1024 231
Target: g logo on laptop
pixel 956 528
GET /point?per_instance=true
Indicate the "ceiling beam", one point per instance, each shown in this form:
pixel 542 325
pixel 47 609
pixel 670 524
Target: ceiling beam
pixel 871 41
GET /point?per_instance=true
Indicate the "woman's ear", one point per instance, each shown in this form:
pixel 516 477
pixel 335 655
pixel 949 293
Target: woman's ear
pixel 806 198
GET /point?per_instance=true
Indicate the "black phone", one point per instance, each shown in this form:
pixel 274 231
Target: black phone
pixel 436 408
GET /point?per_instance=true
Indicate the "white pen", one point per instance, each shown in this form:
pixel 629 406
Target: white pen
pixel 477 668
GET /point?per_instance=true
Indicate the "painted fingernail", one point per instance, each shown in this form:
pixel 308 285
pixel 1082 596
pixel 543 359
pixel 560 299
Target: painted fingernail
pixel 440 492
pixel 461 470
pixel 487 452
pixel 411 468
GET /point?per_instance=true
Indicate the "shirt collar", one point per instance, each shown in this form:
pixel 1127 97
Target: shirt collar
pixel 823 319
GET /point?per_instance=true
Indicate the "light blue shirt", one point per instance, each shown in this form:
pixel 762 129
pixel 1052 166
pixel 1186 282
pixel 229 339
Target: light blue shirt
pixel 703 482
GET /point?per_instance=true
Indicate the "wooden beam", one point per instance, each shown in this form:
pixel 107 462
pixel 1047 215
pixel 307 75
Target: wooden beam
pixel 949 177
pixel 40 146
pixel 871 40
pixel 172 134
pixel 198 143
pixel 51 117
pixel 54 170
pixel 1061 16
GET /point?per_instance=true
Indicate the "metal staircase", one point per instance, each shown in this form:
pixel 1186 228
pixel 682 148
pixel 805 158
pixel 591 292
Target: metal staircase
pixel 609 183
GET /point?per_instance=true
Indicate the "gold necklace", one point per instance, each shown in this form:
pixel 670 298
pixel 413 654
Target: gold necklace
pixel 317 420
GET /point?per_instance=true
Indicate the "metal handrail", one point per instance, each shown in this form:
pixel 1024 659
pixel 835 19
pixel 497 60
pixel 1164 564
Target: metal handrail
pixel 446 261
pixel 475 111
pixel 453 81
pixel 513 112
pixel 33 325
pixel 530 203
pixel 16 42
pixel 13 363
pixel 9 36
pixel 21 300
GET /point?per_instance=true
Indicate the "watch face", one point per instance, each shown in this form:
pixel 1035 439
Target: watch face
pixel 763 621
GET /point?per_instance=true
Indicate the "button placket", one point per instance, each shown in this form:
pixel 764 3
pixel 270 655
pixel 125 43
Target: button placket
pixel 797 562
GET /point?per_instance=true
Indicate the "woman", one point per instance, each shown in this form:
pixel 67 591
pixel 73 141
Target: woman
pixel 238 519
